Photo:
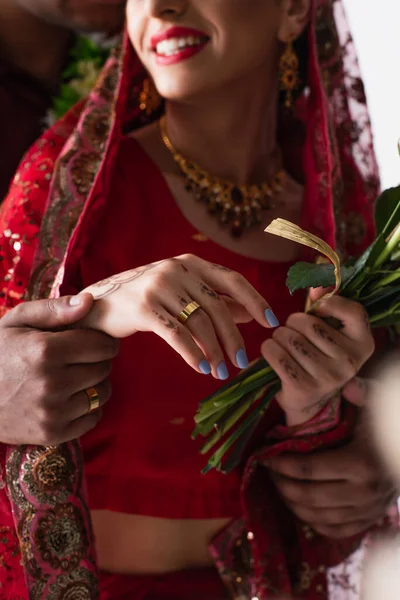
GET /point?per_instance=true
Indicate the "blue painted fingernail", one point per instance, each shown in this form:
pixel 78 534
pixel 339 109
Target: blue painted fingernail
pixel 205 367
pixel 222 371
pixel 271 317
pixel 241 359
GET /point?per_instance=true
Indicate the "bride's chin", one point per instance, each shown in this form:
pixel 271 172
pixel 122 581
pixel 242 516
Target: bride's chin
pixel 181 90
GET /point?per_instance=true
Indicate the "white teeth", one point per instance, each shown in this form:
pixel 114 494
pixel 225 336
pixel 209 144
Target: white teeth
pixel 175 45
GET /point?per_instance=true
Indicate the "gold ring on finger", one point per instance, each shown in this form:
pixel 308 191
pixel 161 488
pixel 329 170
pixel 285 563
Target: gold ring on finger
pixel 94 399
pixel 188 311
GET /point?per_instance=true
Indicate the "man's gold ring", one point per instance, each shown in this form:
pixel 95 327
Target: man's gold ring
pixel 187 312
pixel 94 399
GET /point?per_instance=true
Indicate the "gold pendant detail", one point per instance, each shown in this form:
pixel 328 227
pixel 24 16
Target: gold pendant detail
pixel 239 206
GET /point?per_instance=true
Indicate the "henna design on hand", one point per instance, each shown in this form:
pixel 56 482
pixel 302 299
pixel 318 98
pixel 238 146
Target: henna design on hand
pixel 302 349
pixel 322 402
pixel 290 369
pixel 210 292
pixel 324 334
pixel 116 281
pixel 221 268
pixel 169 323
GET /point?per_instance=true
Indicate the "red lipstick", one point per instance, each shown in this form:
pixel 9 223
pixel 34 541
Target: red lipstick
pixel 179 54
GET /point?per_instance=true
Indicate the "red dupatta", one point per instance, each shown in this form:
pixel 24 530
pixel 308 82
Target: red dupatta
pixel 60 190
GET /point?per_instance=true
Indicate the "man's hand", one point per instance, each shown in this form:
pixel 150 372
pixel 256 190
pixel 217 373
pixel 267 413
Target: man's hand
pixel 46 367
pixel 340 492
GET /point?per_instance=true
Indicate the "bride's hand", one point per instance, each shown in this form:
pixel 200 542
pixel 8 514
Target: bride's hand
pixel 150 298
pixel 314 360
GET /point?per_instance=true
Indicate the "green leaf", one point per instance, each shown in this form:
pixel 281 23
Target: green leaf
pixel 389 294
pixel 387 217
pixel 387 320
pixel 387 204
pixel 307 275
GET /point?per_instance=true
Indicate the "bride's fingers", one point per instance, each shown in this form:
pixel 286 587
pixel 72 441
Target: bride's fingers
pixel 202 325
pixel 239 313
pixel 221 322
pixel 237 287
pixel 178 337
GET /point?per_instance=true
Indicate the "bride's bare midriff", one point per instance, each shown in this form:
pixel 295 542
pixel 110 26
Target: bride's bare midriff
pixel 134 544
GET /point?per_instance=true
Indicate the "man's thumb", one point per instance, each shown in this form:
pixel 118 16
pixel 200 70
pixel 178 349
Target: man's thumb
pixel 49 314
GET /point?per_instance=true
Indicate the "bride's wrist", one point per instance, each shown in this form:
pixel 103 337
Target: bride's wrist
pixel 300 416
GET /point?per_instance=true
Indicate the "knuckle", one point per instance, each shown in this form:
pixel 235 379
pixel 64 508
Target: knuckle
pixel 53 387
pixel 279 334
pixel 160 279
pixel 176 330
pixel 335 378
pixel 267 346
pixel 39 347
pixel 187 257
pixel 295 320
pixel 51 305
pixel 43 388
pixel 235 338
pixel 237 278
pixel 47 426
pixel 214 353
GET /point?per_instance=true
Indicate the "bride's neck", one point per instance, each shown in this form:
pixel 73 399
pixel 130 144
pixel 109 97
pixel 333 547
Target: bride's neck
pixel 230 133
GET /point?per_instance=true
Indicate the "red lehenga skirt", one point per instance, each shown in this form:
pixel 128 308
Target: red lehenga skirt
pixel 194 584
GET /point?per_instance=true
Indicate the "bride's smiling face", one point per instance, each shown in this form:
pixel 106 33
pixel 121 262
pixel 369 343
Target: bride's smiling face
pixel 194 46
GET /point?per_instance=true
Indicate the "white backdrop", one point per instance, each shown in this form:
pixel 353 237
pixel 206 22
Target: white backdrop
pixel 375 25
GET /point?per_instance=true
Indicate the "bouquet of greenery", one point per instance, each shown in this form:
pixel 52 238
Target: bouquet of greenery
pixel 228 418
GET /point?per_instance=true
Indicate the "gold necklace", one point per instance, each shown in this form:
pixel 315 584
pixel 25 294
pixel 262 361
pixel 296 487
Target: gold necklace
pixel 240 206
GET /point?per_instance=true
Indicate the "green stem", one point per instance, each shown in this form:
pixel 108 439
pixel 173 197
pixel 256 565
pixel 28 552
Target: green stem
pixel 225 389
pixel 393 276
pixel 251 420
pixel 390 246
pixel 253 382
pixel 206 425
pixel 231 420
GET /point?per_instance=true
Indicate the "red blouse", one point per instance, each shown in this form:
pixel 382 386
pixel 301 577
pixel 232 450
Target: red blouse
pixel 141 459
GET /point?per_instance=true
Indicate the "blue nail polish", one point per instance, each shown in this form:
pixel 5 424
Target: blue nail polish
pixel 241 359
pixel 222 371
pixel 205 367
pixel 271 317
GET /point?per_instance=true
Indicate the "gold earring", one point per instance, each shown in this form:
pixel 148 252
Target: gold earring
pixel 289 72
pixel 150 99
